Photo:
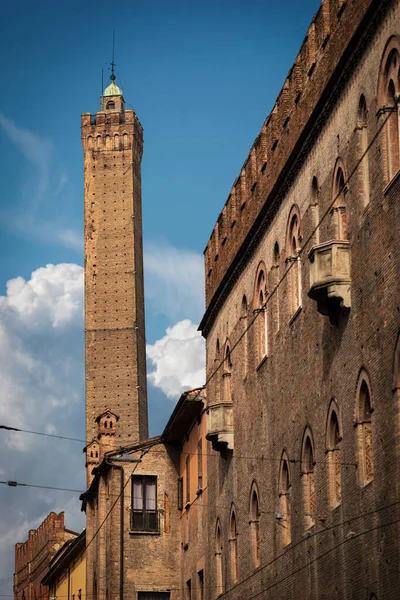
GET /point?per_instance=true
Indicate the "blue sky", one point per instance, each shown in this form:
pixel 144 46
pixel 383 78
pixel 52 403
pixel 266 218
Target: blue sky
pixel 202 77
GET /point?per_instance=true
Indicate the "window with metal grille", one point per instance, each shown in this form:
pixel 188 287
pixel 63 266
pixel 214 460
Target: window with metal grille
pixel 144 503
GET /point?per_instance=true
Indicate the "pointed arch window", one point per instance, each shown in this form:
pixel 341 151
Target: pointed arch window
pixel 218 560
pixel 275 276
pixel 233 548
pixel 315 208
pixel 260 296
pixel 333 441
pixel 389 95
pixel 245 325
pixel 364 412
pixel 284 502
pixel 339 193
pixel 255 528
pixel 362 145
pixel 308 478
pixel 227 373
pixel 293 247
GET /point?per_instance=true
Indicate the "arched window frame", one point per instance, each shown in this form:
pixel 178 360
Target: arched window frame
pixel 362 148
pixel 219 584
pixel 274 280
pixel 227 373
pixel 110 105
pixel 285 521
pixel 254 521
pixel 314 205
pixel 217 378
pixel 388 102
pixel 245 342
pixel 294 238
pixel 233 546
pixel 363 423
pixel 308 478
pixel 260 312
pixel 339 200
pixel 333 453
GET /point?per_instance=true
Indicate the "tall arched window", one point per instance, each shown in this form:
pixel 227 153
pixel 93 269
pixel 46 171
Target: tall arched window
pixel 217 378
pixel 364 411
pixel 116 141
pixel 293 247
pixel 339 193
pixel 315 209
pixel 362 143
pixel 255 527
pixel 275 275
pixel 388 98
pixel 284 501
pixel 245 325
pixel 218 560
pixel 308 477
pixel 333 439
pixel 233 547
pixel 260 296
pixel 227 373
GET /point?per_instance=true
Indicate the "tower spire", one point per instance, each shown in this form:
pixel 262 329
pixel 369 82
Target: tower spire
pixel 112 76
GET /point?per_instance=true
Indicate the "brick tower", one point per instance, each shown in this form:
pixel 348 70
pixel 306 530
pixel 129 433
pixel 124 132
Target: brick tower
pixel 114 292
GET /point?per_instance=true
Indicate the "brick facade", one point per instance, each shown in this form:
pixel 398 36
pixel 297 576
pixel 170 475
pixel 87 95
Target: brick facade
pixel 327 525
pixel 33 557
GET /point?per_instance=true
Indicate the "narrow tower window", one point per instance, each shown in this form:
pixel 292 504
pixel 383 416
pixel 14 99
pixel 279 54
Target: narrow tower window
pixel 308 477
pixel 293 247
pixel 284 502
pixel 233 548
pixel 227 373
pixel 333 455
pixel 260 313
pixel 363 168
pixel 245 325
pixel 218 560
pixel 364 433
pixel 255 528
pixel 339 193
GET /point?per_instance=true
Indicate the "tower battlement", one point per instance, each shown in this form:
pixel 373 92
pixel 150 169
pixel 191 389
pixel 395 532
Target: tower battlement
pixel 332 29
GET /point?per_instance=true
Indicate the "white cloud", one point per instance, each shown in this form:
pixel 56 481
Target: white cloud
pixel 178 359
pixel 42 389
pixel 174 281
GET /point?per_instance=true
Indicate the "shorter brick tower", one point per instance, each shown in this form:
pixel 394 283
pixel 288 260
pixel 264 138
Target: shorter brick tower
pixel 114 295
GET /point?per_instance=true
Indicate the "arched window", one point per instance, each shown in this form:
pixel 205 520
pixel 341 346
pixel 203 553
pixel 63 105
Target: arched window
pixel 217 378
pixel 308 477
pixel 362 146
pixel 388 98
pixel 339 192
pixel 314 205
pixel 364 411
pixel 275 275
pixel 260 312
pixel 333 439
pixel 227 373
pixel 90 142
pixel 110 105
pixel 284 501
pixel 233 547
pixel 218 560
pixel 108 142
pixel 98 142
pixel 293 247
pixel 126 140
pixel 245 325
pixel 255 527
pixel 116 141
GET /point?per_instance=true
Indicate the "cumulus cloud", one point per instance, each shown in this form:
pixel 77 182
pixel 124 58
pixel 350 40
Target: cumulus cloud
pixel 174 281
pixel 178 359
pixel 42 389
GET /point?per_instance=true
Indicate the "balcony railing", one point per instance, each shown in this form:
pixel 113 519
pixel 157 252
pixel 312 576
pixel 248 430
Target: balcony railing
pixel 220 425
pixel 330 275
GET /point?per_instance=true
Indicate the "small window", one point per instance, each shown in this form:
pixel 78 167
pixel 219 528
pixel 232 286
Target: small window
pixel 364 433
pixel 333 455
pixel 188 479
pixel 189 590
pixel 110 105
pixel 144 509
pixel 200 582
pixel 180 493
pixel 200 464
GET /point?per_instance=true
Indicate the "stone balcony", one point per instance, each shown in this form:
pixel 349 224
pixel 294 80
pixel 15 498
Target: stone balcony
pixel 220 425
pixel 330 275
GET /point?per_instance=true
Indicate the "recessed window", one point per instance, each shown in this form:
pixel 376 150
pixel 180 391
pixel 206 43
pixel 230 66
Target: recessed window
pixel 144 503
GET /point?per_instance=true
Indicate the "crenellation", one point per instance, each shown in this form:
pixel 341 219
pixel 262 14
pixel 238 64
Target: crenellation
pixel 296 101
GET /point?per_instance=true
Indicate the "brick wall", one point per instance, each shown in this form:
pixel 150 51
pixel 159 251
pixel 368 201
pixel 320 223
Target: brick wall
pixel 351 551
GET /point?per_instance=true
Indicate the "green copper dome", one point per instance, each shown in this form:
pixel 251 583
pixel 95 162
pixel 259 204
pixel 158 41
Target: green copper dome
pixel 112 90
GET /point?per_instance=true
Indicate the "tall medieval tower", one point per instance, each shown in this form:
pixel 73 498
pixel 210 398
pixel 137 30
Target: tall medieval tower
pixel 114 291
